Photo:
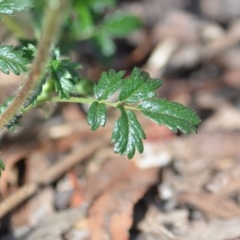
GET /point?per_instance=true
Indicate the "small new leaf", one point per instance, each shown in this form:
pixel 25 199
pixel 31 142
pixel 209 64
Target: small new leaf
pixel 12 60
pixel 174 115
pixel 97 115
pixel 106 43
pixel 138 87
pixel 32 98
pixel 28 51
pixel 127 134
pixel 109 82
pixel 85 18
pixel 65 76
pixel 99 5
pixel 2 167
pixel 9 7
pixel 120 24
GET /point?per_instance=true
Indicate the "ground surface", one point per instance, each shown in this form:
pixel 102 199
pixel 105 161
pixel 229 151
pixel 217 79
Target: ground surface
pixel 64 182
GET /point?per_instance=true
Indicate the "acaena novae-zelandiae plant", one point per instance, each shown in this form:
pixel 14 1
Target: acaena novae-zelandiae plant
pixel 52 78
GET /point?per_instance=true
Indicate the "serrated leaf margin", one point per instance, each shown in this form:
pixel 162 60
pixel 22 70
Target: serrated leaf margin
pixel 108 83
pixel 179 117
pixel 97 115
pixel 138 87
pixel 124 145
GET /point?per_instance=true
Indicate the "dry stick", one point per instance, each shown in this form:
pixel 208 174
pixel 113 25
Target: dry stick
pixel 18 197
pixel 51 28
pixel 61 167
pixel 50 175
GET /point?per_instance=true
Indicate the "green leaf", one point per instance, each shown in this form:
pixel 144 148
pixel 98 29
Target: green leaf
pixel 85 17
pixel 9 7
pixel 84 87
pixel 64 74
pixel 138 87
pixel 11 125
pixel 96 4
pixel 32 98
pixel 120 24
pixel 2 167
pixel 109 82
pixel 12 60
pixel 127 134
pixel 174 115
pixel 28 50
pixel 100 5
pixel 97 115
pixel 106 43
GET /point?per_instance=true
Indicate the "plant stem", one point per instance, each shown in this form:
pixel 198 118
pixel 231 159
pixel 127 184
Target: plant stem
pixel 87 101
pixel 11 24
pixel 51 28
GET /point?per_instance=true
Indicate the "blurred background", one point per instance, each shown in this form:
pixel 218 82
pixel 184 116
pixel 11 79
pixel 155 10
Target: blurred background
pixel 64 182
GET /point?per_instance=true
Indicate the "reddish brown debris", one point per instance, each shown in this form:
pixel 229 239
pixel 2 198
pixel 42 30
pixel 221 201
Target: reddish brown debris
pixel 111 214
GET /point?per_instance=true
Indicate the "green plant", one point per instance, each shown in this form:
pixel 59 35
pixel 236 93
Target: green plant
pixel 51 78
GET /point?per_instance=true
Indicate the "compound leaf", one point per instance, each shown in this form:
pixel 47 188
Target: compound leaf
pixel 127 134
pixel 65 76
pixel 174 115
pixel 109 82
pixel 120 24
pixel 12 60
pixel 9 7
pixel 97 115
pixel 138 87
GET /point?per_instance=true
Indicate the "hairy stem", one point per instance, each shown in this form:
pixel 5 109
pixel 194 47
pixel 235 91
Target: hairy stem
pixel 51 29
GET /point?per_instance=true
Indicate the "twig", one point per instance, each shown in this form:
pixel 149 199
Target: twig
pixel 55 172
pixel 18 197
pixel 71 160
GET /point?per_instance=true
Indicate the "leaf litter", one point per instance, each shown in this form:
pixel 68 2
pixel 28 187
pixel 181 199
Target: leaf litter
pixel 183 187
